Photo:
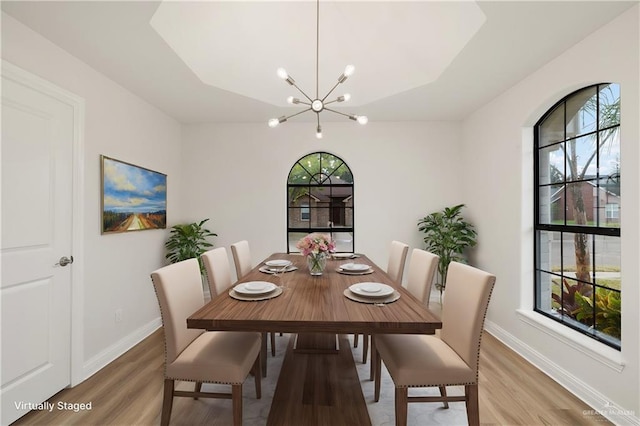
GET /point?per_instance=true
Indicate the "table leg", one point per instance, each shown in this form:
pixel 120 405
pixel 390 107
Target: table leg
pixel 263 354
pixel 319 389
pixel 316 343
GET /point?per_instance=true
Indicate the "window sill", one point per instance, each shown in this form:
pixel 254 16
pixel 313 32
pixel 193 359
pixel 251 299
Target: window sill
pixel 593 349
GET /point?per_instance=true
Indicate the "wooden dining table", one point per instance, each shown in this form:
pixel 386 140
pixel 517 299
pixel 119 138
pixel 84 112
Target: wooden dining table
pixel 318 314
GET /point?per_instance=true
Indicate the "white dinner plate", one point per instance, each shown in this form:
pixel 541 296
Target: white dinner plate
pixel 278 262
pixel 370 289
pixel 255 287
pixel 355 267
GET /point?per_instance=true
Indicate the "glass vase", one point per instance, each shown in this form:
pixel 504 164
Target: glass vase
pixel 316 263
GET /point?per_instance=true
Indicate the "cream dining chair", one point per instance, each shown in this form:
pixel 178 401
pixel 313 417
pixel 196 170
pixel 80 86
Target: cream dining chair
pixel 395 269
pixel 450 359
pixel 422 270
pixel 241 258
pixel 242 261
pixel 397 258
pixel 217 270
pixel 193 355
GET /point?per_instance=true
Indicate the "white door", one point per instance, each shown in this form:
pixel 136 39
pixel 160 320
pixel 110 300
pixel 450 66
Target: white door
pixel 37 142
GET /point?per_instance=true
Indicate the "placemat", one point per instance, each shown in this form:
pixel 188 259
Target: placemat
pixel 267 270
pixel 246 298
pixel 342 271
pixel 371 300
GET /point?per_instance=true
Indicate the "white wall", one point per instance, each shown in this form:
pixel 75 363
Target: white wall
pixel 497 146
pixel 120 125
pixel 236 174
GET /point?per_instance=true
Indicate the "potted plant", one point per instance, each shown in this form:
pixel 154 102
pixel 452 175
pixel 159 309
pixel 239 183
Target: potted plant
pixel 187 241
pixel 447 234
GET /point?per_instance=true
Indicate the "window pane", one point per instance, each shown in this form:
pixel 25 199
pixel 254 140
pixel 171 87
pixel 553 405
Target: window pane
pixel 343 174
pixel 293 238
pixel 609 152
pixel 341 194
pixel 548 293
pixel 582 112
pixel 551 202
pixel 343 241
pixel 329 163
pixel 298 174
pixel 552 129
pixel 576 302
pixel 609 105
pixel 581 157
pixel 549 258
pixel 576 256
pixel 320 194
pixel 609 314
pixel 295 220
pixel 551 164
pixel 319 216
pixel 608 209
pixel 581 203
pixel 607 261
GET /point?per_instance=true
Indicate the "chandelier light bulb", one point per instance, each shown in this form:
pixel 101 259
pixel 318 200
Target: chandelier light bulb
pixel 349 69
pixel 319 132
pixel 362 119
pixel 273 122
pixel 282 73
pixel 290 100
pixel 346 97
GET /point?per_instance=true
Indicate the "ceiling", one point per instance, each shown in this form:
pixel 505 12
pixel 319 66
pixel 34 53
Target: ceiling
pixel 210 61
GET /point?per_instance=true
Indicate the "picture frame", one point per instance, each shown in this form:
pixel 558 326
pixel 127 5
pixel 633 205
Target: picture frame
pixel 133 198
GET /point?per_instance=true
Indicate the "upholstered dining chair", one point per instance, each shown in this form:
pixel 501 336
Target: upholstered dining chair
pixel 241 258
pixel 395 269
pixel 397 258
pixel 450 359
pixel 217 270
pixel 242 261
pixel 422 269
pixel 200 356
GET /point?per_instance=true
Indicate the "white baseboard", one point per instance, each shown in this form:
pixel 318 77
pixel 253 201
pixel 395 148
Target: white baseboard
pixel 592 397
pixel 104 358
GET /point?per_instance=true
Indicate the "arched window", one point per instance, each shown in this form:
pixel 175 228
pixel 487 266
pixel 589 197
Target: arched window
pixel 320 199
pixel 577 213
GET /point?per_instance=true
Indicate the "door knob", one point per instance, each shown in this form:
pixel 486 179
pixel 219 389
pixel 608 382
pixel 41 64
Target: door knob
pixel 64 261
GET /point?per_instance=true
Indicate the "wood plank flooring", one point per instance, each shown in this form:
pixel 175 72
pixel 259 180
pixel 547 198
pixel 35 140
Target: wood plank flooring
pixel 129 392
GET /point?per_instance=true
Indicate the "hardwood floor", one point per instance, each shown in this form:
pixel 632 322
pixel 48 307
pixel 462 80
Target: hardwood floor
pixel 129 392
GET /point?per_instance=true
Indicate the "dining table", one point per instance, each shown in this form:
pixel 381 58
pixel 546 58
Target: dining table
pixel 318 311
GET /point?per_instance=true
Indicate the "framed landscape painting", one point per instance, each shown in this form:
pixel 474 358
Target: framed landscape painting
pixel 133 198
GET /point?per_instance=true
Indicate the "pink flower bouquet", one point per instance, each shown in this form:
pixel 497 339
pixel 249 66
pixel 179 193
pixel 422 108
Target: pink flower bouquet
pixel 316 243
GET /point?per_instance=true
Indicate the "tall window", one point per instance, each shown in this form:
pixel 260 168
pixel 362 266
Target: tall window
pixel 577 217
pixel 320 199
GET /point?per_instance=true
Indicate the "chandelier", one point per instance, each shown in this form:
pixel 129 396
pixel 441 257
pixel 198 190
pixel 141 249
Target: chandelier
pixel 317 104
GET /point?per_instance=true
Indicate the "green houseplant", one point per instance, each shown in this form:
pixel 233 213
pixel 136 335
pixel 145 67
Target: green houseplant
pixel 187 241
pixel 447 234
